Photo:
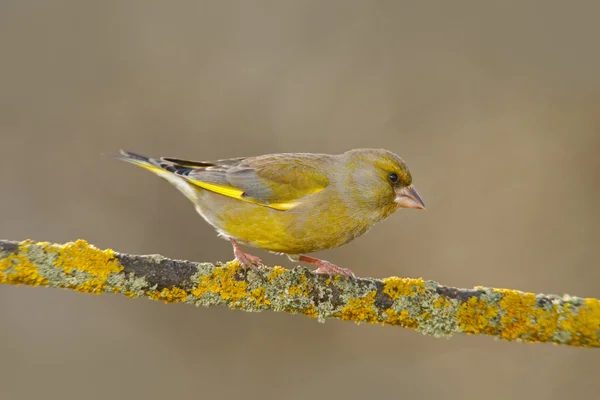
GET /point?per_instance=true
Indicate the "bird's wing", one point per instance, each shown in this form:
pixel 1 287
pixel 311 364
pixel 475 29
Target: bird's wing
pixel 279 181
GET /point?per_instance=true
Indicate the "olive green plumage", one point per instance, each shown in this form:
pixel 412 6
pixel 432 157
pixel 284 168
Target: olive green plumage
pixel 292 203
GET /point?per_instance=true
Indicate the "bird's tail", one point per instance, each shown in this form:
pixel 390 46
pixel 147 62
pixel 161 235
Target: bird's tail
pixel 160 169
pixel 140 161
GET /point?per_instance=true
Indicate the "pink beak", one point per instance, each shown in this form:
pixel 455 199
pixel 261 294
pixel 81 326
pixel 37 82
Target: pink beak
pixel 407 197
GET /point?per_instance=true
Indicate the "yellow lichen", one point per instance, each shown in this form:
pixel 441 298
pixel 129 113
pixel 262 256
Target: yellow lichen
pixel 521 318
pixel 276 272
pixel 295 290
pixel 17 269
pixel 545 325
pixel 396 287
pixel 310 311
pixel 81 256
pixel 360 310
pixel 584 325
pixel 299 290
pixel 169 295
pixel 518 313
pixel 222 282
pixel 401 318
pixel 441 302
pixel 474 316
pixel 258 295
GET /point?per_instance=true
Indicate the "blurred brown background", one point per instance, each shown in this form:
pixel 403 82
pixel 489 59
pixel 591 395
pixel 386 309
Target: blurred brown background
pixel 495 107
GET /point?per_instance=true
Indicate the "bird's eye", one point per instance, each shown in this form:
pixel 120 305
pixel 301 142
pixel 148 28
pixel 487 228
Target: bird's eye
pixel 393 177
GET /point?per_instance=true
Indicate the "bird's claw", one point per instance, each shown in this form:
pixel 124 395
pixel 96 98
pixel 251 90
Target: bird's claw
pixel 249 261
pixel 246 260
pixel 325 267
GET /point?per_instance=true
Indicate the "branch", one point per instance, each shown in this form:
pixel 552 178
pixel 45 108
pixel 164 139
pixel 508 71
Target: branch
pixel 425 306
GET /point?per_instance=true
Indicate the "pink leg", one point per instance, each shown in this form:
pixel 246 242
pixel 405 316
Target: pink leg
pixel 325 267
pixel 245 259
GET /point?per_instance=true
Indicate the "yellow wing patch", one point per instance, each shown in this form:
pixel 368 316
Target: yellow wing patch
pixel 239 195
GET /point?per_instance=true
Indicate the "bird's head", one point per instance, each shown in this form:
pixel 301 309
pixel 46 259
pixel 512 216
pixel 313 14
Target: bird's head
pixel 382 179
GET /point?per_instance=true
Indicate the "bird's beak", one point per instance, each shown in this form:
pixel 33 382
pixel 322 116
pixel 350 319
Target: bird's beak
pixel 407 197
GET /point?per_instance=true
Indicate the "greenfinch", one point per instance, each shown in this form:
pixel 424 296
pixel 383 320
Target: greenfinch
pixel 291 203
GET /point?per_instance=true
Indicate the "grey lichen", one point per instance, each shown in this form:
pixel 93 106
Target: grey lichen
pixel 127 284
pixel 442 321
pixel 45 264
pixel 490 296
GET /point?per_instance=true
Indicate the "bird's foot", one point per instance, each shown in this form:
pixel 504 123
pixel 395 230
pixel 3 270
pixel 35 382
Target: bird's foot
pixel 246 260
pixel 249 261
pixel 325 267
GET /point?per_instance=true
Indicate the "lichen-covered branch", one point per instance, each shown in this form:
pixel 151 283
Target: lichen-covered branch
pixel 425 306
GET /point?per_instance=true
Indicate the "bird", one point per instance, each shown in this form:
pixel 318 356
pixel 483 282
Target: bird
pixel 291 204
